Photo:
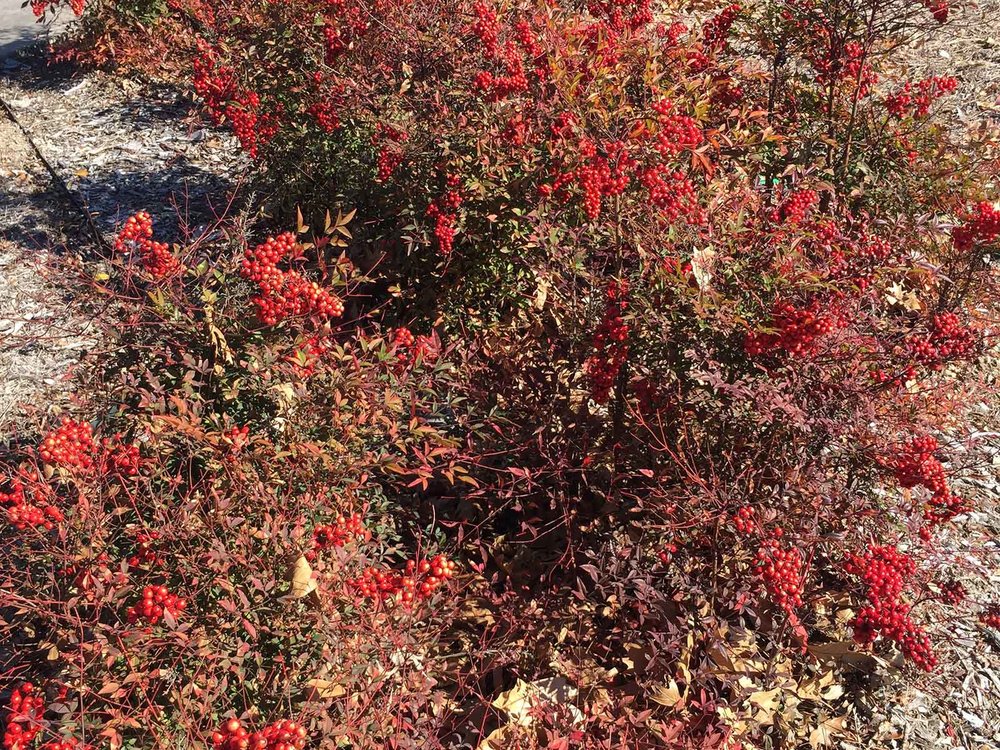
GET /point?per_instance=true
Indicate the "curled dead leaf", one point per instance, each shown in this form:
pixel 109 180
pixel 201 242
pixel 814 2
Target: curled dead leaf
pixel 301 577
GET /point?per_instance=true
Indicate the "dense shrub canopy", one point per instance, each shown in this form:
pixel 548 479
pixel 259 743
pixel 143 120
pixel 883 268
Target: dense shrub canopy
pixel 625 386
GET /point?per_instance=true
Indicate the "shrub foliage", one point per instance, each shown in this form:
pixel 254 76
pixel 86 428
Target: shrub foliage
pixel 620 404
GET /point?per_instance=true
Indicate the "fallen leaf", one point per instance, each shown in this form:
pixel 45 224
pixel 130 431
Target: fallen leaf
pixel 325 689
pixel 520 699
pixel 824 734
pixel 301 577
pixel 668 695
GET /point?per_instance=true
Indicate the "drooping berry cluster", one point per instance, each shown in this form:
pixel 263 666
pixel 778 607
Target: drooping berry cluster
pixel 325 115
pixel 119 458
pixel 24 717
pixel 671 191
pixel 253 127
pixel 796 208
pixel 781 569
pixel 602 171
pixel 610 344
pixel 389 141
pixel 952 592
pixel 915 465
pixel 285 293
pixel 146 554
pixel 622 14
pixel 71 445
pixel 745 521
pixel 25 506
pixel 990 616
pixel 486 26
pixel 283 734
pixel 715 32
pixel 676 132
pixel 136 236
pixel 884 571
pixel 336 534
pixel 215 85
pixel 980 227
pixel 916 101
pixel 38 7
pixel 797 330
pixel 419 581
pixel 444 212
pixel 156 601
pixel 411 349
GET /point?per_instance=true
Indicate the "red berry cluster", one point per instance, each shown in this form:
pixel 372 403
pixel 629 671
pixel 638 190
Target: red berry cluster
pixel 917 101
pixel 403 339
pixel 676 132
pixel 253 128
pixel 715 32
pixel 419 581
pixel 38 7
pixel 782 572
pixel 836 61
pixel 952 592
pixel 884 571
pixel 285 294
pixel 390 157
pixel 990 616
pixel 486 26
pixel 325 116
pixel 146 554
pixel 674 194
pixel 215 85
pixel 70 743
pixel 443 211
pixel 981 226
pixel 390 154
pixel 601 172
pixel 156 600
pixel 23 511
pixel 610 344
pixel 938 8
pixel 336 534
pixel 119 458
pixel 136 236
pixel 27 516
pixel 514 80
pixel 305 359
pixel 796 207
pixel 745 521
pixel 411 349
pixel 667 553
pixel 237 437
pixel 622 14
pixel 915 465
pixel 284 734
pixel 70 445
pixel 797 330
pixel 24 717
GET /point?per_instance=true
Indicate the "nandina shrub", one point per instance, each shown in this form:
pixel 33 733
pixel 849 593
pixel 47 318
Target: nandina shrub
pixel 233 525
pixel 719 288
